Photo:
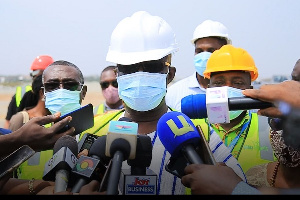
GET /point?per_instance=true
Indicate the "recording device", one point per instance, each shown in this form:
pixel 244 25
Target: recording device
pixel 183 141
pixel 82 119
pixel 139 180
pixel 62 162
pixel 215 105
pixel 120 145
pixel 86 141
pixel 92 167
pixel 15 159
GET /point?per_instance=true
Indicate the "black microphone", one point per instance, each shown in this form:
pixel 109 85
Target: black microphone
pixel 139 179
pixel 91 167
pixel 120 145
pixel 216 107
pixel 64 158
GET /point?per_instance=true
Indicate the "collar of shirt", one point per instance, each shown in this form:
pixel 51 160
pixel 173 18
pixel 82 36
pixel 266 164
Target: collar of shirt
pixel 232 133
pixel 193 82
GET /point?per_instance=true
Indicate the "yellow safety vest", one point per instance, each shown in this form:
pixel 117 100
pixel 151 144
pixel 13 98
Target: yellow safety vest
pixel 34 166
pixel 247 151
pixel 99 109
pixel 20 91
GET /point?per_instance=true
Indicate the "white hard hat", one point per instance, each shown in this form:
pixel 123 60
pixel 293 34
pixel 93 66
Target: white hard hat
pixel 141 37
pixel 210 28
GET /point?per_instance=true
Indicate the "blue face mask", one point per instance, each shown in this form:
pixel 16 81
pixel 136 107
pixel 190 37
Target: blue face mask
pixel 234 92
pixel 200 61
pixel 142 91
pixel 62 100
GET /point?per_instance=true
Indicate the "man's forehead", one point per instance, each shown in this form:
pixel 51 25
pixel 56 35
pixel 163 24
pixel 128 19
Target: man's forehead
pixel 61 72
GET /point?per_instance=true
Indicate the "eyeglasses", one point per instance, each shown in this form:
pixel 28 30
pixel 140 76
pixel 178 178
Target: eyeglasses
pixel 105 84
pixel 151 67
pixel 68 85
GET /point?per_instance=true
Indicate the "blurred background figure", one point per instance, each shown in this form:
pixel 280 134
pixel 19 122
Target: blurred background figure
pixel 109 88
pixel 296 71
pixel 208 37
pixel 37 67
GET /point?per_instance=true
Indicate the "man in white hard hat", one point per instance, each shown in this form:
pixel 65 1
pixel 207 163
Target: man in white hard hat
pixel 208 37
pixel 142 45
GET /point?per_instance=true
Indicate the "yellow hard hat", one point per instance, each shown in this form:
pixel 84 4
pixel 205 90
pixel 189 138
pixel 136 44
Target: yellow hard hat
pixel 229 58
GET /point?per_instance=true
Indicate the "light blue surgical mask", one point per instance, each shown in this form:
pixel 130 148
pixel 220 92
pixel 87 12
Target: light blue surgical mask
pixel 234 92
pixel 142 91
pixel 200 61
pixel 62 100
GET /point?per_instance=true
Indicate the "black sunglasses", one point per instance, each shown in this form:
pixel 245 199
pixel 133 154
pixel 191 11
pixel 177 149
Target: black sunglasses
pixel 105 84
pixel 68 85
pixel 151 67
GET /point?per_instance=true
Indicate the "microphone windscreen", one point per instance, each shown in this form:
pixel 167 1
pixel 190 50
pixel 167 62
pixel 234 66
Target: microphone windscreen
pixel 143 155
pixel 175 130
pixel 66 141
pixel 122 145
pixel 194 106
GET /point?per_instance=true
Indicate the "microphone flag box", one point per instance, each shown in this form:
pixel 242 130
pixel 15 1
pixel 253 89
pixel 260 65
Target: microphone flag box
pixel 217 105
pixel 125 130
pixel 85 166
pixel 64 158
pixel 138 184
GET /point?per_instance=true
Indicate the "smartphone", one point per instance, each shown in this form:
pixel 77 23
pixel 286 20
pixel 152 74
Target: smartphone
pixel 82 119
pixel 15 159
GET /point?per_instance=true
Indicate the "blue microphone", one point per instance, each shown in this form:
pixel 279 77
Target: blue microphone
pixel 179 136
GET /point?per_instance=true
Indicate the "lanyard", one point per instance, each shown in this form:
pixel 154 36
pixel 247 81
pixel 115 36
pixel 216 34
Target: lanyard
pixel 236 139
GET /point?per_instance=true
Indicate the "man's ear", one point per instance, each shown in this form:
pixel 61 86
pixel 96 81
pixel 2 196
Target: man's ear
pixel 171 74
pixel 83 93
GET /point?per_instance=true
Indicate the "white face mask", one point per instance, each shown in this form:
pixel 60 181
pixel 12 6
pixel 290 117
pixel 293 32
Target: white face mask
pixel 62 100
pixel 234 92
pixel 142 91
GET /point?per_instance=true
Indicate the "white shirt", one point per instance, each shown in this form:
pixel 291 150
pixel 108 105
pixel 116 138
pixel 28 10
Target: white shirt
pixel 183 88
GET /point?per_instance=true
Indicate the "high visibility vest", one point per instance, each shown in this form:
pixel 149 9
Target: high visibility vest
pixel 20 91
pixel 102 123
pixel 35 165
pixel 255 149
pixel 99 109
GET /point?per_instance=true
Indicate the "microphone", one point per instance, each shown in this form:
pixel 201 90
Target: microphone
pixel 62 162
pixel 91 167
pixel 120 145
pixel 138 179
pixel 179 136
pixel 215 105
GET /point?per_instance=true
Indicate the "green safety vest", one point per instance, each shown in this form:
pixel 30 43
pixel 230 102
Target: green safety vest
pixel 34 166
pixel 20 91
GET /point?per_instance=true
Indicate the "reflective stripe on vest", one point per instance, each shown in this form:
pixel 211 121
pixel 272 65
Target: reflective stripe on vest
pixel 20 91
pixel 99 109
pixel 264 139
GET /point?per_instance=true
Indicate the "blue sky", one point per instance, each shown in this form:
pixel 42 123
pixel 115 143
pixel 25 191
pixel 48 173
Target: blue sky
pixel 79 31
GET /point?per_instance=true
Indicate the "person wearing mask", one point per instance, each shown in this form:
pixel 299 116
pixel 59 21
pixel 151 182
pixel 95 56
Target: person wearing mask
pixel 141 46
pixel 211 179
pixel 244 136
pixel 109 87
pixel 38 65
pixel 208 36
pixel 63 91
